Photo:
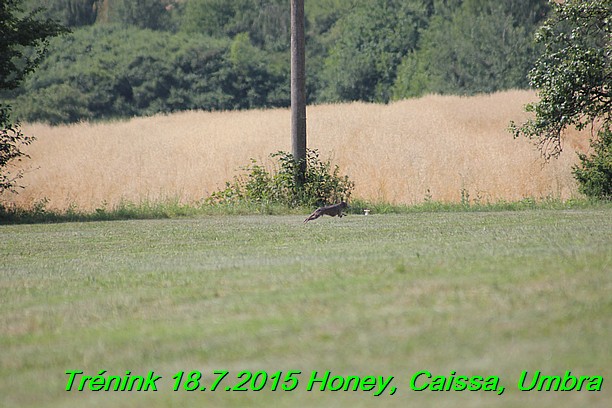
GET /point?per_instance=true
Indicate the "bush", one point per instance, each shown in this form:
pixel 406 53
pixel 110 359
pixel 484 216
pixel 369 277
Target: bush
pixel 595 171
pixel 322 184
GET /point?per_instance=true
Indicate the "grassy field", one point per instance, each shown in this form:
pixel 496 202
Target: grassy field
pixel 478 293
pixel 442 148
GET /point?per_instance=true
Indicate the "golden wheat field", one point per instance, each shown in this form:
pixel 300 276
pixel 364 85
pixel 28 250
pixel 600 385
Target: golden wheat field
pixel 404 152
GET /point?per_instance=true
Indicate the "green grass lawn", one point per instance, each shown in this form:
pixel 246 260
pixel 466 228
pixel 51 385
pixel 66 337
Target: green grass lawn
pixel 489 294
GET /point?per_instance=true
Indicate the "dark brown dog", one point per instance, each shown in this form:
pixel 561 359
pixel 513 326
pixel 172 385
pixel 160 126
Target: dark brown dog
pixel 331 210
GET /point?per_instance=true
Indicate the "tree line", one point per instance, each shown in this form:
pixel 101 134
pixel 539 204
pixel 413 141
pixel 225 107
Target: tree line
pixel 139 57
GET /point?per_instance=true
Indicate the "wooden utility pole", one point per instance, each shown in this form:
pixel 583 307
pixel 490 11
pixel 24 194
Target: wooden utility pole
pixel 298 87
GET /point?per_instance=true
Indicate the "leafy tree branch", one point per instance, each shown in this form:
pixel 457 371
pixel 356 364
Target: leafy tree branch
pixel 573 76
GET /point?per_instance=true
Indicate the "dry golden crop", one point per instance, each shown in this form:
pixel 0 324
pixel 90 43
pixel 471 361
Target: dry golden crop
pixel 443 148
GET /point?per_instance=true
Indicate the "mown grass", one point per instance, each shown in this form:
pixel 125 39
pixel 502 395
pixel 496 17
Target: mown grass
pixel 481 293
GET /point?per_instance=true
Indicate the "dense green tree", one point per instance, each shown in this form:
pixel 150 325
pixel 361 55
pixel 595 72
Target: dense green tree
pixel 70 13
pixel 209 17
pixel 151 14
pixel 322 15
pixel 594 173
pixel 253 81
pixel 110 71
pixel 524 12
pixel 368 45
pixel 573 76
pixel 266 21
pixel 480 46
pixel 23 44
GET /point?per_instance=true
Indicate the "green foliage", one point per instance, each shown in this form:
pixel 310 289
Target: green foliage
pixel 322 15
pixel 368 44
pixel 595 171
pixel 481 46
pixel 265 21
pixel 252 82
pixel 322 184
pixel 209 17
pixel 573 76
pixel 70 13
pixel 11 141
pixel 111 71
pixel 171 55
pixel 23 42
pixel 151 14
